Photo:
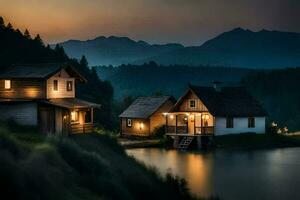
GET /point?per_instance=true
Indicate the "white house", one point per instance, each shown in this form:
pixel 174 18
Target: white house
pixel 215 111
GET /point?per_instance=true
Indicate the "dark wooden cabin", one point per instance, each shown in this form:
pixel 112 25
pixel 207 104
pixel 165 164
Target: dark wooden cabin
pixel 44 96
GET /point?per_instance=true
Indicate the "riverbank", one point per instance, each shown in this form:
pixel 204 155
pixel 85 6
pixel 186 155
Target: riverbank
pixel 256 141
pixel 240 141
pixel 140 143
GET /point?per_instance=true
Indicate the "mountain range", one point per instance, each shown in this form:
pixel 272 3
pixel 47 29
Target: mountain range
pixel 235 48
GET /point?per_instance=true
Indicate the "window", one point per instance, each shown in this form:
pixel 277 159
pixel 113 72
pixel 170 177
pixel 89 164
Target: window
pixel 7 84
pixel 229 122
pixel 192 103
pixel 55 85
pixel 69 85
pixel 88 116
pixel 74 116
pixel 129 123
pixel 251 122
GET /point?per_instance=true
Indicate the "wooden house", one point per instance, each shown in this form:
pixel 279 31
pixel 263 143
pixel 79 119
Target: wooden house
pixel 44 96
pixel 144 115
pixel 215 111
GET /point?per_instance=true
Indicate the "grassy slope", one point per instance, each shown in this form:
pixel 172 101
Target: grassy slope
pixel 256 141
pixel 79 167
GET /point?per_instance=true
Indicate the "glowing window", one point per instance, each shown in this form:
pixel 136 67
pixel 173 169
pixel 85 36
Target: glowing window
pixel 7 84
pixel 74 116
pixel 129 123
pixel 69 85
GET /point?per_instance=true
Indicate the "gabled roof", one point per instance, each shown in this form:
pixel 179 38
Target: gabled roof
pixel 144 107
pixel 40 71
pixel 228 101
pixel 70 103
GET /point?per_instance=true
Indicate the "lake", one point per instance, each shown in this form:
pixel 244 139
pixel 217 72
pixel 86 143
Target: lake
pixel 262 174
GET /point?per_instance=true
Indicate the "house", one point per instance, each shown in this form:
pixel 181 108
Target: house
pixel 215 111
pixel 44 96
pixel 144 115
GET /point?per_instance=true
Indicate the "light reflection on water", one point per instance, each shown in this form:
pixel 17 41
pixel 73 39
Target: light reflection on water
pixel 266 174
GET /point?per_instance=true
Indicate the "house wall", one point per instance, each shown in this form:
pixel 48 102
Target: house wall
pixel 158 119
pixel 22 113
pixel 62 77
pixel 240 125
pixel 24 89
pixel 184 106
pixel 135 129
pixel 58 119
pixel 81 126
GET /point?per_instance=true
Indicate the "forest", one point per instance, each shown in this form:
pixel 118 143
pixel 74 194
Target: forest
pixel 19 48
pixel 277 90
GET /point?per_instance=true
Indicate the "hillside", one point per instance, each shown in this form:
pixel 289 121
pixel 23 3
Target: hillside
pixel 114 50
pixel 94 166
pixel 235 48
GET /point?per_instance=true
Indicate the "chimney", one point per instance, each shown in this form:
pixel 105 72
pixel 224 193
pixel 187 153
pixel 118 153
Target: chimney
pixel 216 85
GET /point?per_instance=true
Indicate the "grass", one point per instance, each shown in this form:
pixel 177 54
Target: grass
pixel 95 166
pixel 256 141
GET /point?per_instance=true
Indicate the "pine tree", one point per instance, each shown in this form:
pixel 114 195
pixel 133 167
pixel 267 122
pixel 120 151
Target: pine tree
pixel 27 34
pixel 2 24
pixel 39 40
pixel 9 26
pixel 83 61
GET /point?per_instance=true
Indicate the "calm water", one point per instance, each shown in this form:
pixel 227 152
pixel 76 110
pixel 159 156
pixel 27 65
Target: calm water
pixel 265 174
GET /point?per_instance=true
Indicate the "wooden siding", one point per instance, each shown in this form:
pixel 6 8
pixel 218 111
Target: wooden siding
pixel 158 119
pixel 184 106
pixel 62 77
pixel 135 129
pixel 24 89
pixel 81 126
pixel 22 113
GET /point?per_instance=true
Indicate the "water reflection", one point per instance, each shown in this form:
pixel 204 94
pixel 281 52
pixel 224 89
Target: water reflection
pixel 268 174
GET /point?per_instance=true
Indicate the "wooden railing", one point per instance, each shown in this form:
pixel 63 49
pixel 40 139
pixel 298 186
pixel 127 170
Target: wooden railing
pixel 207 130
pixel 176 129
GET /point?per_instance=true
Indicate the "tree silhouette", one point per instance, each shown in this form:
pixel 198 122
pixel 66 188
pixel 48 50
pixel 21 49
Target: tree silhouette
pixel 83 61
pixel 27 34
pixel 38 40
pixel 9 26
pixel 2 24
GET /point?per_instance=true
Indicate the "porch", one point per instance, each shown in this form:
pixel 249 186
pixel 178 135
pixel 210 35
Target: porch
pixel 189 124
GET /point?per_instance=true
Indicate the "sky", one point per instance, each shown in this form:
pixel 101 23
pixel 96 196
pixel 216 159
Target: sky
pixel 190 22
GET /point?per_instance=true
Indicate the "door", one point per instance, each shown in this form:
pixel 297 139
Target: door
pixel 47 120
pixel 191 124
pixel 65 123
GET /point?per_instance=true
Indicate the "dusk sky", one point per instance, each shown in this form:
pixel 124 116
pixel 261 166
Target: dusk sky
pixel 190 22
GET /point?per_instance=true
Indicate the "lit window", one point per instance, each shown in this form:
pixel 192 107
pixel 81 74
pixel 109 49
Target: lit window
pixel 55 85
pixel 129 123
pixel 251 122
pixel 192 103
pixel 7 84
pixel 229 122
pixel 74 116
pixel 69 85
